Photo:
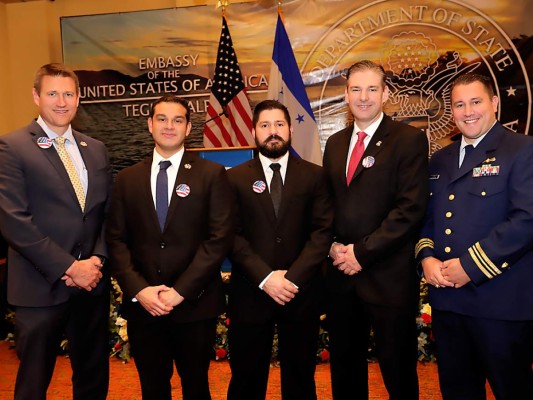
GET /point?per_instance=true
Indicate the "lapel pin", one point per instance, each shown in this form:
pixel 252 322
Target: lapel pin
pixel 368 161
pixel 187 166
pixel 378 143
pixel 490 160
pixel 183 190
pixel 259 186
pixel 44 142
pixel 84 144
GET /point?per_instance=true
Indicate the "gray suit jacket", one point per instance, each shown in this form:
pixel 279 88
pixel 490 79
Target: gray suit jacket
pixel 40 216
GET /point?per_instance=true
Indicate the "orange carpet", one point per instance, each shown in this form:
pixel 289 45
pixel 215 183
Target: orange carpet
pixel 124 383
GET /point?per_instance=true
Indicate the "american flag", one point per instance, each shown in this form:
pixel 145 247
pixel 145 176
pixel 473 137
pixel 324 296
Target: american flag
pixel 229 116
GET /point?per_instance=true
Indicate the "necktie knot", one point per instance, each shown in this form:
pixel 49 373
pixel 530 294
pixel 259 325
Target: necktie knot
pixel 163 165
pixel 361 136
pixel 60 140
pixel 468 149
pixel 275 167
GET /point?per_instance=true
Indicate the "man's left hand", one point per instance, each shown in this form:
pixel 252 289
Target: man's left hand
pixel 453 271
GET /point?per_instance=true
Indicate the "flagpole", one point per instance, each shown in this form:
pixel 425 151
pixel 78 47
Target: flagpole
pixel 280 10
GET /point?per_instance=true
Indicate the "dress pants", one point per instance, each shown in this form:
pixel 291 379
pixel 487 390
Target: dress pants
pixel 472 350
pixel 349 320
pixel 158 345
pixel 250 351
pixel 38 334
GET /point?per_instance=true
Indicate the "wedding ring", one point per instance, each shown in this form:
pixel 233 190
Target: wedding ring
pixel 437 285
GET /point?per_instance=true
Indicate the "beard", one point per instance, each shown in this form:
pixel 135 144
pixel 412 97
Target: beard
pixel 273 150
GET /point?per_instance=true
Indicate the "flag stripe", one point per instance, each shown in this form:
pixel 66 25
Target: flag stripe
pixel 228 120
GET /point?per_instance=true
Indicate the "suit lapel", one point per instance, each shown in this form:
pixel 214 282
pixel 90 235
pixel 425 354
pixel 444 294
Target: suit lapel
pixel 52 156
pixel 146 191
pixel 184 176
pixel 376 144
pixel 291 182
pixel 257 174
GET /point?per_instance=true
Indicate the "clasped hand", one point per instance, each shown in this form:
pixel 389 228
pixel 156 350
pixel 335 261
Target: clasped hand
pixel 343 257
pixel 84 274
pixel 159 300
pixel 280 288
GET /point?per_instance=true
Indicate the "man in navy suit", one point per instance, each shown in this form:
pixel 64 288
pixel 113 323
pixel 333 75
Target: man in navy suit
pixel 476 251
pixel 166 245
pixel 380 198
pixel 53 198
pixel 282 241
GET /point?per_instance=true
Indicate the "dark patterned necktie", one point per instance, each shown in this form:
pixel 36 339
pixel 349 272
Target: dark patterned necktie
pixel 161 193
pixel 276 187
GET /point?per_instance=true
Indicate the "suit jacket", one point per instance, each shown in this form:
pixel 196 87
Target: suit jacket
pixel 482 213
pixel 298 240
pixel 380 211
pixel 188 253
pixel 41 219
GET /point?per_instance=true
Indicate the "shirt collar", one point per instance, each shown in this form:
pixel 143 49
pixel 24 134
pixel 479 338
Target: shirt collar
pixel 175 159
pixel 52 135
pixel 283 161
pixel 476 141
pixel 371 129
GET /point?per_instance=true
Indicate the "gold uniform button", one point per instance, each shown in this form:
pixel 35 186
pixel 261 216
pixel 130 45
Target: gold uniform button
pixel 483 193
pixel 451 197
pixel 448 231
pixel 447 249
pixel 449 214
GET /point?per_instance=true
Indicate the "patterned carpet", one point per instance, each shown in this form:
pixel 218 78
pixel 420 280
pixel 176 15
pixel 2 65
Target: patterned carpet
pixel 124 384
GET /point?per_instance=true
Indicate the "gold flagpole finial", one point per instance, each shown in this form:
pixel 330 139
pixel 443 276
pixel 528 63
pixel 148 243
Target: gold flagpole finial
pixel 280 10
pixel 223 4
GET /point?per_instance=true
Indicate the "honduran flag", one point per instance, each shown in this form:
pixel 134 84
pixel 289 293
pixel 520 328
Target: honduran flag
pixel 287 87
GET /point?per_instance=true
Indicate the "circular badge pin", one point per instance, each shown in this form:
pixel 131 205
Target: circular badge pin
pixel 368 161
pixel 183 190
pixel 44 142
pixel 259 186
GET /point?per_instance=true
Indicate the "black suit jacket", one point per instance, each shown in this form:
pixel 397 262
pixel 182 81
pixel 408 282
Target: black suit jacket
pixel 380 211
pixel 41 219
pixel 298 240
pixel 188 253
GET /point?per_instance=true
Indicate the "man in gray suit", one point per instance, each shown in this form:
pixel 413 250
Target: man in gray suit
pixel 54 187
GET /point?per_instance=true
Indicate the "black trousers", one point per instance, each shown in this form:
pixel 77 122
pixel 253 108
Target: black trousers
pixel 157 346
pixel 38 334
pixel 472 350
pixel 250 350
pixel 349 320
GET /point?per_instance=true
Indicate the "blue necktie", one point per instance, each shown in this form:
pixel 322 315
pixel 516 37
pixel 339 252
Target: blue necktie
pixel 468 150
pixel 161 193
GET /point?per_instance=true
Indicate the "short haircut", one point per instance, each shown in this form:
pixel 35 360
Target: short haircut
pixel 270 105
pixel 54 69
pixel 471 77
pixel 170 98
pixel 365 65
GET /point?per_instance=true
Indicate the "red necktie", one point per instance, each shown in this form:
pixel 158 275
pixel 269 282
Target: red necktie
pixel 357 153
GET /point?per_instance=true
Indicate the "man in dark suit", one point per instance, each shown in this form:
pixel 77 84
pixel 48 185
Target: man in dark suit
pixel 377 169
pixel 477 251
pixel 169 229
pixel 54 187
pixel 283 237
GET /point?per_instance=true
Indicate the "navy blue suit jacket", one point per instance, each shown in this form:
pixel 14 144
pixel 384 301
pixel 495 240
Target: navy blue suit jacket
pixel 483 214
pixel 41 219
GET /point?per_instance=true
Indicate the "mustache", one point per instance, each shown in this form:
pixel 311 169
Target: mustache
pixel 274 137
